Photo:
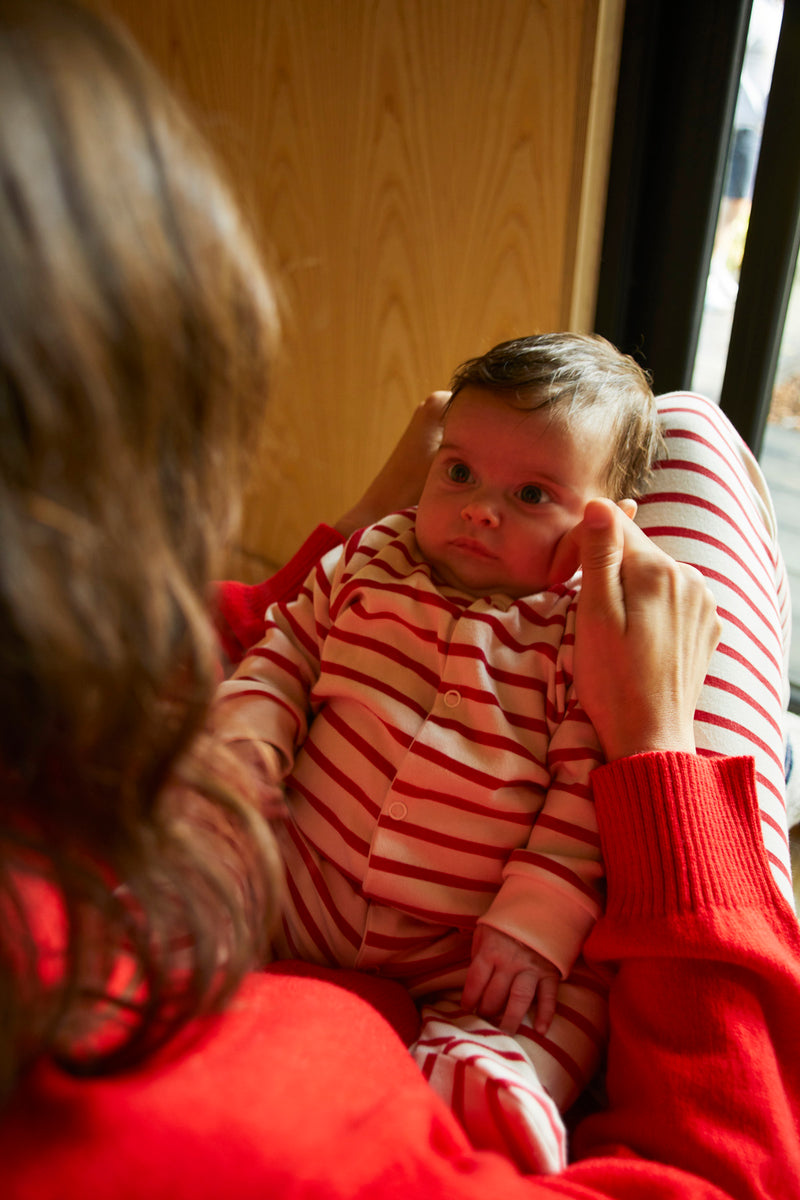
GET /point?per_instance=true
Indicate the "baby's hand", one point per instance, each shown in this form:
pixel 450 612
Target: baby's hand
pixel 504 977
pixel 260 762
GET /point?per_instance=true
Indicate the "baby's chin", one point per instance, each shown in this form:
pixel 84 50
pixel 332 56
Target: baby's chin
pixel 481 589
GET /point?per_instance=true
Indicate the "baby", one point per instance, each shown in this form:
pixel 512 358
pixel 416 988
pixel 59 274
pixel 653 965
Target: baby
pixel 415 707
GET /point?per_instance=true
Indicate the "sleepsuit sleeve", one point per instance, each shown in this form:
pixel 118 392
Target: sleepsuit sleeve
pixel 269 698
pixel 552 890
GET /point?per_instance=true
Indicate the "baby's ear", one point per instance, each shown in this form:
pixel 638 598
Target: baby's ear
pixel 629 507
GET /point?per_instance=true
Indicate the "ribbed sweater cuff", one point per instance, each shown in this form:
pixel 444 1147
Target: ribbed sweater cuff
pixel 680 833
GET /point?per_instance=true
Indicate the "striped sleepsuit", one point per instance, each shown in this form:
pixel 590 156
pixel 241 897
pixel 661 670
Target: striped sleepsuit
pixel 445 778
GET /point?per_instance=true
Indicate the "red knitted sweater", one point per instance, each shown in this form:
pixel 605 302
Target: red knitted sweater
pixel 304 1089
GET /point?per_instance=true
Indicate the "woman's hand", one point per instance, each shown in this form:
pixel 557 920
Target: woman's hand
pixel 646 629
pixel 399 482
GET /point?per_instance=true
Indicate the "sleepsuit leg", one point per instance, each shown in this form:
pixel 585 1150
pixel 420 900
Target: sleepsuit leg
pixel 709 506
pixel 509 1092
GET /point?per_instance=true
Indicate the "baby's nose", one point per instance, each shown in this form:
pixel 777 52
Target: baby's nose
pixel 481 512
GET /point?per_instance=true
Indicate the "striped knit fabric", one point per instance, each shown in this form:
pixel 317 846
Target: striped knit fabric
pixel 709 506
pixel 446 773
pixel 444 780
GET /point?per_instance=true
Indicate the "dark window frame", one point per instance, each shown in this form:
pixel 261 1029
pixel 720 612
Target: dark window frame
pixel 679 75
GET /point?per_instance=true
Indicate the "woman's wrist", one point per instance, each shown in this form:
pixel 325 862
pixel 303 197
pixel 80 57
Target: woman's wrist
pixel 627 735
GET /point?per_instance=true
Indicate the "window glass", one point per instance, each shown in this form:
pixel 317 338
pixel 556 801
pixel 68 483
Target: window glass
pixel 780 461
pixel 780 456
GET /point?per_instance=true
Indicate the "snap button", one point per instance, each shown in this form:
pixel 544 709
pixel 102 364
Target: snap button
pixel 398 810
pixel 452 698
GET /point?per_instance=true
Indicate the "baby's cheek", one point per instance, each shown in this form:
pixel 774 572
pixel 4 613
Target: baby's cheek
pixel 422 531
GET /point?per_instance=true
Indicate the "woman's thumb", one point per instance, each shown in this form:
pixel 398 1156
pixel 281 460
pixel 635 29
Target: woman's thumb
pixel 601 550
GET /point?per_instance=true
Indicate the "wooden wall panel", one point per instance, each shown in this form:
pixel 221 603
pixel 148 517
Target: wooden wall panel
pixel 430 174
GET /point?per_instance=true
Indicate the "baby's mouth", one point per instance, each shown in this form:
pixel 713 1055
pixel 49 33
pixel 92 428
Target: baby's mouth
pixel 472 546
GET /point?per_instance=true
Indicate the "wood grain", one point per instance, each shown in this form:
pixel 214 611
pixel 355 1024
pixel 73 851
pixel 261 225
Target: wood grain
pixel 423 173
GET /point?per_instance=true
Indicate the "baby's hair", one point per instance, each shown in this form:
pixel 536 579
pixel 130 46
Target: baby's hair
pixel 571 373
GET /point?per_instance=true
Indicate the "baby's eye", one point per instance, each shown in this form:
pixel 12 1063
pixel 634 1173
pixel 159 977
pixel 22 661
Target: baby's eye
pixel 459 472
pixel 531 493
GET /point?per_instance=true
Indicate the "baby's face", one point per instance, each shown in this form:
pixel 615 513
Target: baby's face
pixel 504 489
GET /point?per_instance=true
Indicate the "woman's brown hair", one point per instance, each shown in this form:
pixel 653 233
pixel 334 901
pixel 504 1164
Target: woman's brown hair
pixel 136 335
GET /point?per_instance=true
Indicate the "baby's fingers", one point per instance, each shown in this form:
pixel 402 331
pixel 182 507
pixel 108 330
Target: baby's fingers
pixel 520 997
pixel 546 1001
pixel 272 802
pixel 477 977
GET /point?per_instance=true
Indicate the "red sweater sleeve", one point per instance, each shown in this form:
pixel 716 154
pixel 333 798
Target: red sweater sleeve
pixel 238 608
pixel 704 1069
pixel 302 1089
